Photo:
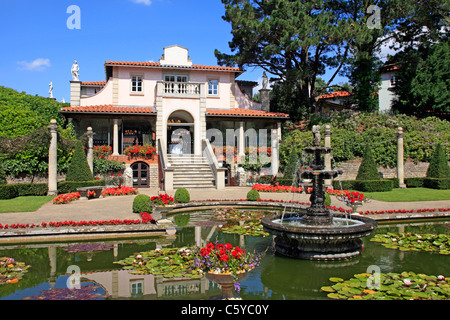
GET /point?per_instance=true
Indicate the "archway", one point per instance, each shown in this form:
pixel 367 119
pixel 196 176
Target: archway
pixel 180 133
pixel 141 174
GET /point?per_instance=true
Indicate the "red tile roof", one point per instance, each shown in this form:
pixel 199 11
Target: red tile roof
pixel 236 112
pixel 158 65
pixel 112 109
pixel 93 83
pixel 109 109
pixel 335 95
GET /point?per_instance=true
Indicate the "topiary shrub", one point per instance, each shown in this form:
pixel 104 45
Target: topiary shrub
pixel 253 195
pixel 439 167
pixel 2 174
pixel 79 169
pixel 368 169
pixel 182 196
pixel 142 203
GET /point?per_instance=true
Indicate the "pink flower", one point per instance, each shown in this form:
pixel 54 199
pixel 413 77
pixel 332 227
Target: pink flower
pixel 407 282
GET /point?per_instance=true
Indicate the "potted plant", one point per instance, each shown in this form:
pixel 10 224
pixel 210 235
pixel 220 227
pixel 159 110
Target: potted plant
pixel 226 265
pixel 352 199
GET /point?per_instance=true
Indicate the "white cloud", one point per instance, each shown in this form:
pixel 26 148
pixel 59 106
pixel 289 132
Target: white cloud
pixel 37 65
pixel 145 2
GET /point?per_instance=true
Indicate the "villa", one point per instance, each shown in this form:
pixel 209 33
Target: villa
pixel 185 111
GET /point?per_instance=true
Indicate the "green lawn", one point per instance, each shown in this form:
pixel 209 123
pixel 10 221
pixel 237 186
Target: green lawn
pixel 408 195
pixel 24 204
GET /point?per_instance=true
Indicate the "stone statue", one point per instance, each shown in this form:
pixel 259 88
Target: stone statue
pixel 128 173
pixel 316 133
pixel 265 80
pixel 50 91
pixel 75 69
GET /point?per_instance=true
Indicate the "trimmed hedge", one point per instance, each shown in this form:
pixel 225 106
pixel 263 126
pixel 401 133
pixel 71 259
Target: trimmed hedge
pixel 365 185
pixel 253 195
pixel 182 195
pixel 436 183
pixel 8 191
pixel 414 182
pixel 142 203
pixel 71 186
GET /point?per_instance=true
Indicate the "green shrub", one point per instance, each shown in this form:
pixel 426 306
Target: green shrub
pixel 71 186
pixel 32 189
pixel 253 195
pixel 437 183
pixel 344 184
pixel 182 196
pixel 374 185
pixel 414 182
pixel 8 191
pixel 439 167
pixel 79 169
pixel 327 199
pixel 142 203
pixel 368 169
pixel 284 181
pixel 2 174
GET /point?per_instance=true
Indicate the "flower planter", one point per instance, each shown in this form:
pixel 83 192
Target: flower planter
pixel 226 282
pixel 85 190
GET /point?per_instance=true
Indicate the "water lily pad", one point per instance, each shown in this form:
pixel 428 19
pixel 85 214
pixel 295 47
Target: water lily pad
pixel 335 279
pixel 327 289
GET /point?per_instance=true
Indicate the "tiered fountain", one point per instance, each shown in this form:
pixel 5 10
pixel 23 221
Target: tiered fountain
pixel 317 233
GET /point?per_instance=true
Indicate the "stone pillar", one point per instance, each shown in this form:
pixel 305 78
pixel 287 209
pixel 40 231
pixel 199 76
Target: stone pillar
pixel 264 94
pixel 275 150
pixel 400 163
pixel 75 93
pixel 327 157
pixel 241 141
pixel 90 152
pixel 116 137
pixel 53 160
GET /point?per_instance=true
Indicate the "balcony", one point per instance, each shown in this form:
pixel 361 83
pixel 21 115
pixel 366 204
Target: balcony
pixel 170 89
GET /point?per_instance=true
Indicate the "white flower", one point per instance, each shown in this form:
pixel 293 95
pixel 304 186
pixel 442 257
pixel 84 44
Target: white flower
pixel 407 282
pixel 138 256
pixel 441 277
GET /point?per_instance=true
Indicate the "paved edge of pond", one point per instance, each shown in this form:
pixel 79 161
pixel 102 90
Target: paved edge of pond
pixel 164 226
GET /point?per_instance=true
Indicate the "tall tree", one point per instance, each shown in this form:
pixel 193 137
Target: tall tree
pixel 296 41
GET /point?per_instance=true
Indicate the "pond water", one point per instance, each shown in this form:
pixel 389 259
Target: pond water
pixel 276 278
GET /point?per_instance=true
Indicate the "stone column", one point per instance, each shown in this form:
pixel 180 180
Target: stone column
pixel 116 137
pixel 400 164
pixel 75 93
pixel 264 94
pixel 241 142
pixel 53 160
pixel 327 157
pixel 275 151
pixel 90 153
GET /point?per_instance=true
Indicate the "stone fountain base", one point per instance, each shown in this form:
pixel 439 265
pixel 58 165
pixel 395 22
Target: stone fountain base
pixel 327 242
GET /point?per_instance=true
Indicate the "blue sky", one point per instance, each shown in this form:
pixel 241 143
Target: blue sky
pixel 39 48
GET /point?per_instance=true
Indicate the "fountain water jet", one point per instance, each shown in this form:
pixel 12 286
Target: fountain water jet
pixel 317 234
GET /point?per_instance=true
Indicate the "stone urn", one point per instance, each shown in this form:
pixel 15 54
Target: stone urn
pixel 226 282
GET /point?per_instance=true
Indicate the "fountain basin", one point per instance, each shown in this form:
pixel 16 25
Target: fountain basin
pixel 338 240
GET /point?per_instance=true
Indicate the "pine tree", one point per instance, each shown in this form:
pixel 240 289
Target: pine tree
pixel 79 168
pixel 368 169
pixel 439 167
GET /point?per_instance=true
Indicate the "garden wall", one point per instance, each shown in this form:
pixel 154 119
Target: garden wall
pixel 411 169
pixel 24 178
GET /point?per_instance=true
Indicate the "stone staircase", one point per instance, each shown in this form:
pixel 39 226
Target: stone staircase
pixel 191 171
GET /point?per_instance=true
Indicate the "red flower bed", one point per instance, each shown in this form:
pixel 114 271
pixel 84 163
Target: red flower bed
pixel 66 198
pixel 162 199
pixel 146 218
pixel 270 188
pixel 118 191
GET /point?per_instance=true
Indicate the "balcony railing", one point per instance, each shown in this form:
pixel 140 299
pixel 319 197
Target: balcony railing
pixel 180 89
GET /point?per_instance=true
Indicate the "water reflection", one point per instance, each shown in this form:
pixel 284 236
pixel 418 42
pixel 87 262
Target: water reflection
pixel 276 278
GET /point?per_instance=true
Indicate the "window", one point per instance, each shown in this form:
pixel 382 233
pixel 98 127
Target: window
pixel 136 84
pixel 213 87
pixel 393 80
pixel 175 78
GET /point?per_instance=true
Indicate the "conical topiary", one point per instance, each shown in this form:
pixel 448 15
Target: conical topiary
pixel 79 168
pixel 368 169
pixel 439 167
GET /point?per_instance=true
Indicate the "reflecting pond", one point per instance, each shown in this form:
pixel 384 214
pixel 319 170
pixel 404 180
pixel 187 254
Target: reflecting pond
pixel 276 278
